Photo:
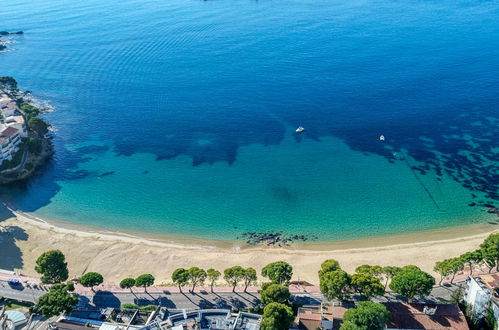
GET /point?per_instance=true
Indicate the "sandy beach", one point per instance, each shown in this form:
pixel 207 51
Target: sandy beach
pixel 117 256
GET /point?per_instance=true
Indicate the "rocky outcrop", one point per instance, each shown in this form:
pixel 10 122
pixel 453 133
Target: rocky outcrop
pixel 6 33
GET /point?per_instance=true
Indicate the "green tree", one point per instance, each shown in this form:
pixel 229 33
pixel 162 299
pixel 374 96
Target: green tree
pixel 367 315
pixel 376 271
pixel 472 259
pixel 8 83
pixel 127 283
pixel 329 265
pixel 91 279
pixel 29 110
pixel 276 316
pixel 442 268
pixel 144 280
pixel 180 277
pixel 234 275
pixel 58 300
pixel 348 325
pixel 456 265
pixel 196 276
pixel 412 281
pixel 279 272
pixel 489 250
pixel 53 267
pixel 38 126
pixel 249 277
pixel 367 285
pixel 389 272
pixel 335 284
pixel 275 293
pixel 213 276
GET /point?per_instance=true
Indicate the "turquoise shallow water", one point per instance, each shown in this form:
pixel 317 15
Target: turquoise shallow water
pixel 178 118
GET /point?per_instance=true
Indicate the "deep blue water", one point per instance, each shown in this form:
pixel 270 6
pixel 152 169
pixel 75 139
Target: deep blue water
pixel 177 117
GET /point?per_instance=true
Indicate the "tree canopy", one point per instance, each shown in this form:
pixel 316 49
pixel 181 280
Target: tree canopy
pixel 58 300
pixel 127 283
pixel 249 277
pixel 471 259
pixel 367 315
pixel 367 285
pixel 376 271
pixel 412 281
pixel 335 284
pixel 144 280
pixel 180 276
pixel 279 272
pixel 196 276
pixel 53 267
pixel 91 279
pixel 234 275
pixel 8 83
pixel 490 250
pixel 213 276
pixel 274 293
pixel 390 272
pixel 329 265
pixel 38 126
pixel 276 316
pixel 442 268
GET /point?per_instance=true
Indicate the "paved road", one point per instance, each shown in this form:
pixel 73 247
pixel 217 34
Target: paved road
pixel 20 292
pixel 189 300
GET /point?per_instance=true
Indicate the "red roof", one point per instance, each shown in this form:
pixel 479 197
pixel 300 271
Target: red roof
pixel 9 131
pixel 412 316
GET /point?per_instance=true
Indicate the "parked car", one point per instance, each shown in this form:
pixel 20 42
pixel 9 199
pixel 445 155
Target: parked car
pixel 13 281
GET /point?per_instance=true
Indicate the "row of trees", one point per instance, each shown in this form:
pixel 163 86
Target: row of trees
pixel 367 282
pixel 487 254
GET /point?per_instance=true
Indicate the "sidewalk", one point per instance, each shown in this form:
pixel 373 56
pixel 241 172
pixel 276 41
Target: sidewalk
pixel 294 289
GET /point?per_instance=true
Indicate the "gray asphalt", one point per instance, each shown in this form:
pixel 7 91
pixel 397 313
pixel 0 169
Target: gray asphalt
pixel 193 300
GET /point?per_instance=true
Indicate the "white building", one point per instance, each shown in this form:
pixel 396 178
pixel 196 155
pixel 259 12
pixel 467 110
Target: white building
pixel 483 293
pixel 11 115
pixel 17 121
pixel 10 138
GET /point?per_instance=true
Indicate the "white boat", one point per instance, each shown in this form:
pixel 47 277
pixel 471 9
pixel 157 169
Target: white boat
pixel 299 129
pixel 382 138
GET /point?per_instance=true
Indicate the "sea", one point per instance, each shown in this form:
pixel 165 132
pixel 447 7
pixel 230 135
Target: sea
pixel 178 117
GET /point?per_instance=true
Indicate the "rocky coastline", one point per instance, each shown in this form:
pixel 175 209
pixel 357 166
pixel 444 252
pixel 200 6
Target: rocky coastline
pixel 35 148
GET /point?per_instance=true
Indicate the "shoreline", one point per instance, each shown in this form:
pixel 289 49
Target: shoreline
pixel 119 254
pixel 377 241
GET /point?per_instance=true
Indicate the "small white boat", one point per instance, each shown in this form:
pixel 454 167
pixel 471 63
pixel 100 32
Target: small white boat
pixel 299 129
pixel 382 138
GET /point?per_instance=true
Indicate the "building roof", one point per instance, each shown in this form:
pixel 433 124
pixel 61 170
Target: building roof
pixel 67 325
pixel 413 316
pixel 9 131
pixel 15 119
pixel 16 317
pixel 310 317
pixel 10 106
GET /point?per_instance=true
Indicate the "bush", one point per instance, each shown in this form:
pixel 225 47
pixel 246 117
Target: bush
pixel 129 306
pixel 34 146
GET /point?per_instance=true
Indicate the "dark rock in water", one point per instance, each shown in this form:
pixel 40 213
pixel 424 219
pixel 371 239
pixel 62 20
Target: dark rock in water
pixel 146 172
pixel 106 174
pixel 489 205
pixel 6 33
pixel 3 47
pixel 493 210
pixel 273 239
pixel 471 204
